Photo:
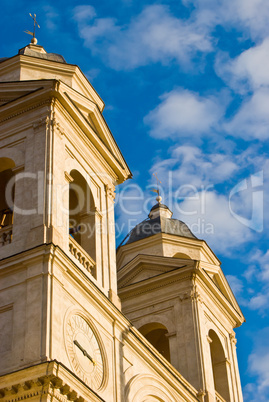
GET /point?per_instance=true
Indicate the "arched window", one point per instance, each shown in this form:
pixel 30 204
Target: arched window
pixel 82 223
pixel 155 333
pixel 6 200
pixel 219 366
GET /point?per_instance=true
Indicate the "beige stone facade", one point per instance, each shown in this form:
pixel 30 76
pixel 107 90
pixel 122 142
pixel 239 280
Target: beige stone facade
pixel 73 326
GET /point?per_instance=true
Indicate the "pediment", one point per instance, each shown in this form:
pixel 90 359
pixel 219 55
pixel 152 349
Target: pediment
pixel 217 276
pixel 94 119
pixel 141 274
pixel 145 267
pixel 82 110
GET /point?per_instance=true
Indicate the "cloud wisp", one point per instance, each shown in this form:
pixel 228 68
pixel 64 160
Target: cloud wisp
pixel 155 35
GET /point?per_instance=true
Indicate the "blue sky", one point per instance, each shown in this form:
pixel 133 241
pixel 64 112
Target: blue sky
pixel 186 87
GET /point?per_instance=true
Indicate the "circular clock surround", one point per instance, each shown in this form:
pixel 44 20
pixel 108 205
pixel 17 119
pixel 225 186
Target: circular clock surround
pixel 85 350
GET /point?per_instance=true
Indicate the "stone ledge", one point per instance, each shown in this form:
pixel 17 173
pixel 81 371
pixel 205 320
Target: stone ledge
pixel 50 379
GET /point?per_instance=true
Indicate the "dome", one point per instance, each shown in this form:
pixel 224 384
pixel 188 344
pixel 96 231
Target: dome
pixel 159 221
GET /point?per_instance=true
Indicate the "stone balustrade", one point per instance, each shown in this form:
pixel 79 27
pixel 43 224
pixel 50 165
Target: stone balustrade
pixel 81 255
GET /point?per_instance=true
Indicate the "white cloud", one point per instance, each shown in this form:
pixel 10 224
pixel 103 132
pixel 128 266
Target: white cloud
pixel 248 71
pixel 208 214
pixel 189 165
pixel 154 35
pixel 83 13
pixel 257 275
pixel 252 119
pixel 253 15
pixel 258 365
pixel 184 113
pixel 250 16
pixel 261 259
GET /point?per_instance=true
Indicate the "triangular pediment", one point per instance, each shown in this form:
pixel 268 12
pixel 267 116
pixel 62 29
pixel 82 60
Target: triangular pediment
pixel 145 267
pixel 84 112
pixel 217 277
pixel 91 117
pixel 142 273
pixel 94 118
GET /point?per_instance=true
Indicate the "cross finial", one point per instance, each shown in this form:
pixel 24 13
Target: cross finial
pixel 33 40
pixel 157 190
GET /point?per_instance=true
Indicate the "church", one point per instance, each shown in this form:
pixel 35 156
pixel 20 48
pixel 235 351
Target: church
pixel 79 320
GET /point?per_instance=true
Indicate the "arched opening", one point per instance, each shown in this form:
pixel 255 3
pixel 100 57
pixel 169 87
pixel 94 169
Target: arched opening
pixel 6 200
pixel 82 223
pixel 219 366
pixel 156 334
pixel 182 255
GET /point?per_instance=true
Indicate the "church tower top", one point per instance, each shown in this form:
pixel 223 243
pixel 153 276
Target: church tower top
pixel 33 63
pixel 159 221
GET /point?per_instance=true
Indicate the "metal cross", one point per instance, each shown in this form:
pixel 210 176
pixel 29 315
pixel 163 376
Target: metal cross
pixel 158 181
pixel 35 23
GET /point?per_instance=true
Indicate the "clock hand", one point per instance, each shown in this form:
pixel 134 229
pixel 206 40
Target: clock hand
pixel 84 352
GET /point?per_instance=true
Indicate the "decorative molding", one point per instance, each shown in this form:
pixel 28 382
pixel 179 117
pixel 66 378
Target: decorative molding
pixel 196 296
pixel 35 106
pixel 6 235
pixel 110 192
pixel 185 296
pixel 192 295
pixel 233 338
pixel 56 125
pixel 46 385
pixel 41 122
pixel 201 395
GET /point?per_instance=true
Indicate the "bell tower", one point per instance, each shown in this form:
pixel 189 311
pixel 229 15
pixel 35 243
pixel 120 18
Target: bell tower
pixel 174 291
pixel 59 165
pixel 63 336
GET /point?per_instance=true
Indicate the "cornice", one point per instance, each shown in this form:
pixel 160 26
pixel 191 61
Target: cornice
pixel 49 379
pixel 26 109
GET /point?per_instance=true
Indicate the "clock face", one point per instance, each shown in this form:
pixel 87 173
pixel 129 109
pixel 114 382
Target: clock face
pixel 84 351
